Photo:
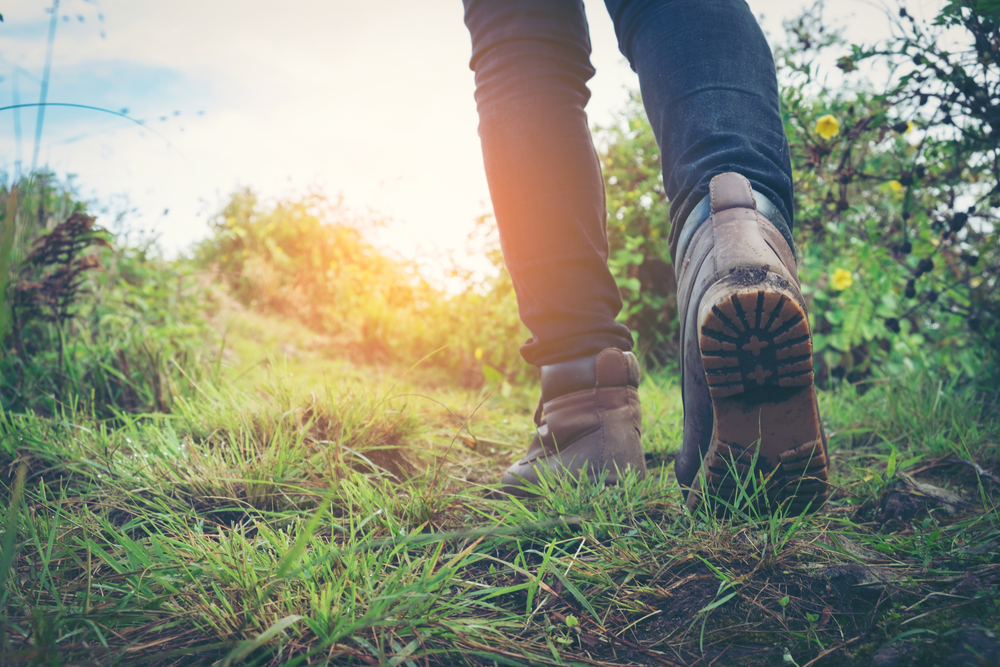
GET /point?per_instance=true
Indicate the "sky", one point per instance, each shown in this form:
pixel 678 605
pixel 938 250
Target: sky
pixel 372 101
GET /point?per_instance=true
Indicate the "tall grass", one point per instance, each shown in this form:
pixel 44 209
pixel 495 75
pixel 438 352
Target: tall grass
pixel 8 227
pixel 108 325
pixel 262 523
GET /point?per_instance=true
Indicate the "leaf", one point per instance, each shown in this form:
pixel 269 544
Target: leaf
pixel 577 594
pixel 718 603
pixel 243 649
pixel 492 375
pixel 890 470
pixel 861 310
pixel 403 655
pixel 292 557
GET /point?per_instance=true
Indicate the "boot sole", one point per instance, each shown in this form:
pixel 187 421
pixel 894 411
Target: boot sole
pixel 756 348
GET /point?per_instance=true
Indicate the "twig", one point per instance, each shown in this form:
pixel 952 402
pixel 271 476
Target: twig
pixel 831 650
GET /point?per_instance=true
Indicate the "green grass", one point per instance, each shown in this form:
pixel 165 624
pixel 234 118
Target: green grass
pixel 306 510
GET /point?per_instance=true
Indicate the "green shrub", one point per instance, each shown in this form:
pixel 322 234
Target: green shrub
pixel 95 322
pixel 638 228
pixel 308 258
pixel 899 191
pixel 896 198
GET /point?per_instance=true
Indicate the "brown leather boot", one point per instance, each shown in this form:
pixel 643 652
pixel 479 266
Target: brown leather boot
pixel 588 420
pixel 746 355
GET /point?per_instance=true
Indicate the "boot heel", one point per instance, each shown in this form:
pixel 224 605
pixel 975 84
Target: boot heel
pixel 756 348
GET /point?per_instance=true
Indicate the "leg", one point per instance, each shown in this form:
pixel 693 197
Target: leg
pixel 532 64
pixel 710 91
pixel 709 87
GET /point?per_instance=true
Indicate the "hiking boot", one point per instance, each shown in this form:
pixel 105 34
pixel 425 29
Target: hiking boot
pixel 750 410
pixel 588 422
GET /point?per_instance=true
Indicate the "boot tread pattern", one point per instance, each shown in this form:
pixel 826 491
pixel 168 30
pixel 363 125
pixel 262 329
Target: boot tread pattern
pixel 755 339
pixel 756 349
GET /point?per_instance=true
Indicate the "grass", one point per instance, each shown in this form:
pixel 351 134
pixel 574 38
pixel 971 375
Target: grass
pixel 306 510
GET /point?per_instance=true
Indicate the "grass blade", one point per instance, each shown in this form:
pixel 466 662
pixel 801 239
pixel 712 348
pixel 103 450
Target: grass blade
pixel 244 649
pixel 10 528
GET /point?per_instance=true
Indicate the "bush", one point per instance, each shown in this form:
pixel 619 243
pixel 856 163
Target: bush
pixel 896 197
pixel 898 191
pixel 91 321
pixel 638 229
pixel 308 258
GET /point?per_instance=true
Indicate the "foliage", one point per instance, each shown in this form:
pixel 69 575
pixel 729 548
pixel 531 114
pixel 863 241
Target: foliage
pixel 902 193
pixel 638 228
pixel 308 258
pixel 487 307
pixel 50 280
pixel 896 201
pixel 253 526
pixel 96 321
pixel 8 227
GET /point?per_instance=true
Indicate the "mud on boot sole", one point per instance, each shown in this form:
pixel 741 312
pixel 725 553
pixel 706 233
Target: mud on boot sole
pixel 756 348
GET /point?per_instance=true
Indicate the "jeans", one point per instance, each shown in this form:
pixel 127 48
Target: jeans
pixel 709 88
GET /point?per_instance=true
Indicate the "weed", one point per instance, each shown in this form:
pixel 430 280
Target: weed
pixel 92 320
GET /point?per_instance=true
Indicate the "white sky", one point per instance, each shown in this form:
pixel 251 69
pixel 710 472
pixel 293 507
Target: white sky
pixel 373 100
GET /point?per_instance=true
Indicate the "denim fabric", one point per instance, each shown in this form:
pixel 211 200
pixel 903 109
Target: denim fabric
pixel 708 84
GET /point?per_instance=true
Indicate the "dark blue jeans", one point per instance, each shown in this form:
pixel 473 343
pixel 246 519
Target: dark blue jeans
pixel 708 84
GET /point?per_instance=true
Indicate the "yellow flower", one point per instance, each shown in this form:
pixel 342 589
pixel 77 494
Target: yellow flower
pixel 841 279
pixel 896 186
pixel 827 126
pixel 479 353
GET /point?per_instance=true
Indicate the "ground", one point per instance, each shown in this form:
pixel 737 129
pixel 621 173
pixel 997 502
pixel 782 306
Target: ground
pixel 303 509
